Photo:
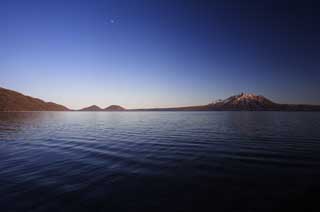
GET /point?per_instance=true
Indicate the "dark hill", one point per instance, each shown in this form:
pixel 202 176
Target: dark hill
pixel 114 108
pixel 92 108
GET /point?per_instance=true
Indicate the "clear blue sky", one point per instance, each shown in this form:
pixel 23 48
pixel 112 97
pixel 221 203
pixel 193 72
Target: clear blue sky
pixel 146 53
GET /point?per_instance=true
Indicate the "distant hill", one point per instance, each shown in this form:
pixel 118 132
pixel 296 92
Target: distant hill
pixel 14 101
pixel 92 108
pixel 114 108
pixel 110 108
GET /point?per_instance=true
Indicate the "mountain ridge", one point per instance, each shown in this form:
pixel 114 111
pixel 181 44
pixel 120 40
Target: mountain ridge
pixel 14 101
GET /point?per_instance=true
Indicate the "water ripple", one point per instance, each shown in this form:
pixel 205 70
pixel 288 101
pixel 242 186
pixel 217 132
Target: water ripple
pixel 88 161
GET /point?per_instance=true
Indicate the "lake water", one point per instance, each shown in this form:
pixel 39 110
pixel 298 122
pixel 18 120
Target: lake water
pixel 159 161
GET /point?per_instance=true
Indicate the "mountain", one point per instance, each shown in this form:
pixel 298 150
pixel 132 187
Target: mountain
pixel 245 102
pixel 114 108
pixel 92 108
pixel 252 102
pixel 242 102
pixel 14 101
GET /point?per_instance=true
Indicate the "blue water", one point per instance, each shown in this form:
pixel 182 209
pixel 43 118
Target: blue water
pixel 159 161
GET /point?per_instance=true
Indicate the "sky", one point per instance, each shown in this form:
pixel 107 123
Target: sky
pixel 159 53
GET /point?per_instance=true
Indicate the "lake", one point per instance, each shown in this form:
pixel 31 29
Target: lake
pixel 159 161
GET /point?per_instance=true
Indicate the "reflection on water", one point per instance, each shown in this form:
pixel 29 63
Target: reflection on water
pixel 159 161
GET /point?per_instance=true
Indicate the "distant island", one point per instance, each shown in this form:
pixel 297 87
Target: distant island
pixel 110 108
pixel 14 101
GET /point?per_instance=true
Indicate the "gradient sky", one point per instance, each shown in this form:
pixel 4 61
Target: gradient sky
pixel 157 53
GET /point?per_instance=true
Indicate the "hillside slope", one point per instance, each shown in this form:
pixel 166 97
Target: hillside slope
pixel 14 101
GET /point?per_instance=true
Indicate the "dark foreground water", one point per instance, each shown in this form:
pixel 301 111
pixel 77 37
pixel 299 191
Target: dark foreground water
pixel 159 161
